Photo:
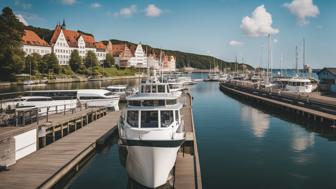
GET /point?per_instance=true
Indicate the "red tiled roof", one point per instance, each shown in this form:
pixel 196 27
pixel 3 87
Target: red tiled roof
pixel 100 45
pixel 72 37
pixel 117 49
pixel 31 38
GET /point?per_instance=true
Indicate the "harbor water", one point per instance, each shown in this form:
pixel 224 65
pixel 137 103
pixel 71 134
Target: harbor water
pixel 241 145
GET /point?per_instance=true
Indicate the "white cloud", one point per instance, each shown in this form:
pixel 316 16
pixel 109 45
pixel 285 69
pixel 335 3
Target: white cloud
pixel 235 43
pixel 22 4
pixel 127 11
pixel 153 11
pixel 68 2
pixel 275 40
pixel 259 24
pixel 95 5
pixel 21 19
pixel 302 9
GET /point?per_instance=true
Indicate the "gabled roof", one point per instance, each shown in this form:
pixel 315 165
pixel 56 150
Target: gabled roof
pixel 331 70
pixel 31 38
pixel 72 37
pixel 100 45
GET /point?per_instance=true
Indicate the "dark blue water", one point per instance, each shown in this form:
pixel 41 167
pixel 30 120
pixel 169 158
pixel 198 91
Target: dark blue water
pixel 241 146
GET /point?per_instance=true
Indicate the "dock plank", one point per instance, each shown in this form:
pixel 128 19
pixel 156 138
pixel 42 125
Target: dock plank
pixel 33 170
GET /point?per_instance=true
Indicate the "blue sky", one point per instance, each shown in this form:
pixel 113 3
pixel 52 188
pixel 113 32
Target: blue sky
pixel 213 27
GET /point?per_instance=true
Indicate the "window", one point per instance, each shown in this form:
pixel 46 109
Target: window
pixel 134 103
pixel 161 88
pixel 171 102
pixel 154 89
pixel 167 118
pixel 148 88
pixel 133 118
pixel 176 115
pixel 153 103
pixel 149 119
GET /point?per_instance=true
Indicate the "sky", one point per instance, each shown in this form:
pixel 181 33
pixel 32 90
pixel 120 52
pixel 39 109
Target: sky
pixel 225 29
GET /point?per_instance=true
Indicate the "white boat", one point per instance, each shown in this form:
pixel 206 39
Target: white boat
pixel 118 90
pixel 213 77
pixel 299 85
pixel 152 131
pixel 47 104
pixel 98 98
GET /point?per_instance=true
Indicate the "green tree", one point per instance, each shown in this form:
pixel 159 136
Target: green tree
pixel 75 61
pixel 50 62
pixel 11 54
pixel 91 60
pixel 109 62
pixel 32 63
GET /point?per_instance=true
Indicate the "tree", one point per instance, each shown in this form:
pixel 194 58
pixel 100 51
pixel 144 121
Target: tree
pixel 91 60
pixel 11 54
pixel 50 62
pixel 32 63
pixel 75 61
pixel 109 62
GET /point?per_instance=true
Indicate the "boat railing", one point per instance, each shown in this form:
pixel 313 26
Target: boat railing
pixel 22 116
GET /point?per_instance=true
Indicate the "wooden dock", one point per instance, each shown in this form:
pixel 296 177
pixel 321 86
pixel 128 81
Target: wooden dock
pixel 292 108
pixel 187 168
pixel 47 166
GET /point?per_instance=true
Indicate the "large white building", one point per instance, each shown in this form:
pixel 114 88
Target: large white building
pixel 62 43
pixel 32 43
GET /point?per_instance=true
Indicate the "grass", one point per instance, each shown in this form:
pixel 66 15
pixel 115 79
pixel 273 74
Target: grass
pixel 111 72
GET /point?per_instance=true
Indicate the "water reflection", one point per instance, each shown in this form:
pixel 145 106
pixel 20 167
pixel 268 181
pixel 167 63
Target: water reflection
pixel 302 139
pixel 258 121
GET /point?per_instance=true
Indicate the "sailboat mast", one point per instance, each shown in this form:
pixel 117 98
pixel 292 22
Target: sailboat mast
pixel 304 55
pixel 297 60
pixel 269 58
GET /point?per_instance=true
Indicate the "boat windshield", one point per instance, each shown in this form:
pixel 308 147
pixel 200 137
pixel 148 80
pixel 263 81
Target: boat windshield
pixel 133 118
pixel 167 118
pixel 149 119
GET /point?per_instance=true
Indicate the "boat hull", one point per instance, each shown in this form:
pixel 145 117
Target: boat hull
pixel 150 164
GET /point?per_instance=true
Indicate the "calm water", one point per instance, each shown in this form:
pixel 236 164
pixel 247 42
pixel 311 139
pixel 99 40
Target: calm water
pixel 241 146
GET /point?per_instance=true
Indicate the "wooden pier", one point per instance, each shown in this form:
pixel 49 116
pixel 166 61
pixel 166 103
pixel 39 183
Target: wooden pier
pixel 187 168
pixel 45 167
pixel 282 104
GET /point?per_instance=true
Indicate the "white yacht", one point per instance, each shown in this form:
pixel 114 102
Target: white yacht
pixel 213 77
pixel 98 98
pixel 47 104
pixel 299 85
pixel 118 90
pixel 152 131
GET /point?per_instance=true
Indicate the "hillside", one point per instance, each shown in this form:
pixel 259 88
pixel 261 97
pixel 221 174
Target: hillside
pixel 183 59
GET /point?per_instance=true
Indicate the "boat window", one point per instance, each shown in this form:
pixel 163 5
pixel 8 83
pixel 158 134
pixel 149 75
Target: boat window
pixel 39 99
pixel 153 103
pixel 167 118
pixel 90 97
pixel 133 118
pixel 134 103
pixel 154 89
pixel 176 115
pixel 171 102
pixel 148 88
pixel 108 94
pixel 149 119
pixel 142 89
pixel 161 88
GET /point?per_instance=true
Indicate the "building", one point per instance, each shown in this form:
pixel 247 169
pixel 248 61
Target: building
pixel 101 51
pixel 64 41
pixel 32 43
pixel 327 77
pixel 122 55
pixel 139 60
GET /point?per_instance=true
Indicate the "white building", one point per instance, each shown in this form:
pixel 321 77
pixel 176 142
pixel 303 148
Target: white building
pixel 64 41
pixel 32 43
pixel 139 60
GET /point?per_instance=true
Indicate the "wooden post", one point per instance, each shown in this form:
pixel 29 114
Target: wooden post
pixel 37 116
pixel 56 109
pixel 47 113
pixel 64 108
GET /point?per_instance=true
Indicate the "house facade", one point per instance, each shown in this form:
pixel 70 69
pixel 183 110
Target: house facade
pixel 139 60
pixel 32 43
pixel 327 77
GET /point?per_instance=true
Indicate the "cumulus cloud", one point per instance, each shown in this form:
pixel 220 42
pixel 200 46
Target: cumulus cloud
pixel 68 2
pixel 259 24
pixel 127 11
pixel 235 43
pixel 95 5
pixel 302 9
pixel 153 11
pixel 21 19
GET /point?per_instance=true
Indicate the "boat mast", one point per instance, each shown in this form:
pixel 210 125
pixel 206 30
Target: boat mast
pixel 269 58
pixel 304 55
pixel 297 61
